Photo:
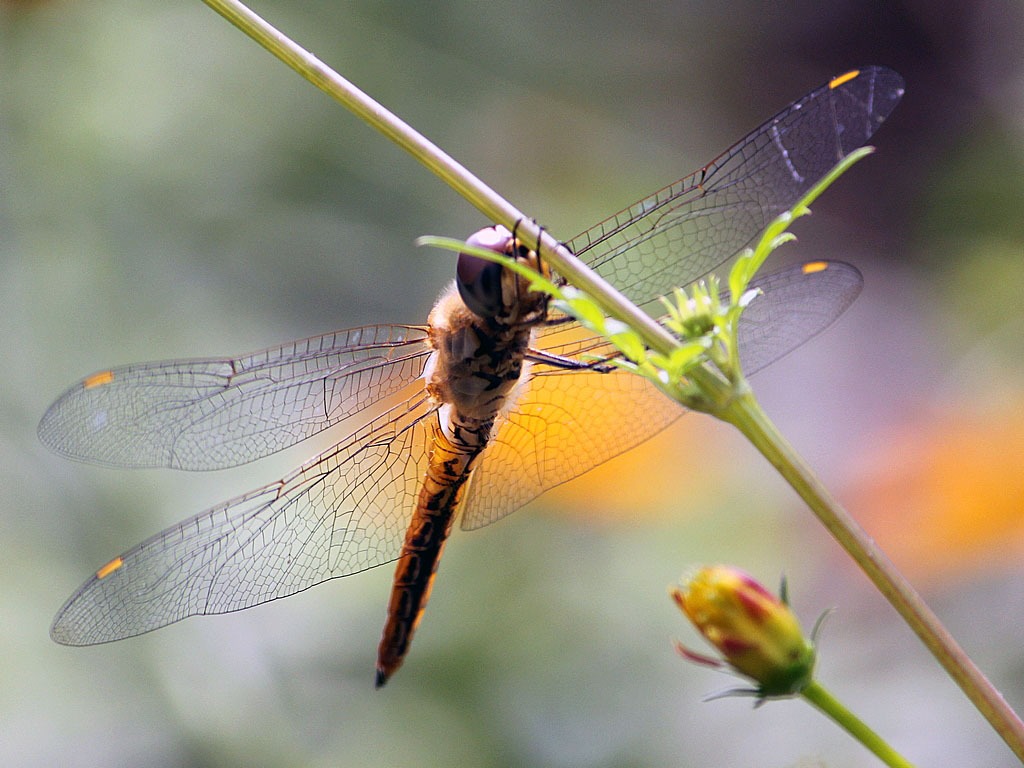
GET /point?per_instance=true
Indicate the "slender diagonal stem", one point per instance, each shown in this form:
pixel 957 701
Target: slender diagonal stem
pixel 853 725
pixel 751 421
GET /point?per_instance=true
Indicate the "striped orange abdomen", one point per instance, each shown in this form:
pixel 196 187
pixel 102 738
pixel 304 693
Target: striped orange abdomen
pixel 447 472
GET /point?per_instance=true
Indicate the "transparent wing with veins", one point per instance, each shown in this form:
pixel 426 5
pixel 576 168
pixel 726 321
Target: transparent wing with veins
pixel 685 230
pixel 220 412
pixel 343 512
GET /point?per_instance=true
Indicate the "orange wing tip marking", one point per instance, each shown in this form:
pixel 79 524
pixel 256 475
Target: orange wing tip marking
pixel 98 379
pixel 109 568
pixel 814 266
pixel 837 81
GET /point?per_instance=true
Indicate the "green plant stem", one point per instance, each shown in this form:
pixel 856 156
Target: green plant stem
pixel 758 429
pixel 745 413
pixel 459 178
pixel 828 704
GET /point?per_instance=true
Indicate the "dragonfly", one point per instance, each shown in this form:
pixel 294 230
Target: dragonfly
pixel 468 417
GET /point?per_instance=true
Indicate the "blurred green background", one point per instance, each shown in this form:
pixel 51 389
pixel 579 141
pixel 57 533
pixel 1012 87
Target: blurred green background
pixel 169 190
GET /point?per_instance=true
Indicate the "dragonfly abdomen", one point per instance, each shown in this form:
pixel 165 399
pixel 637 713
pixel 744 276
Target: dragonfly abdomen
pixel 450 464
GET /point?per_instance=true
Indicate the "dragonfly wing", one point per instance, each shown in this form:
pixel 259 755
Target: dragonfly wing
pixel 685 230
pixel 796 305
pixel 215 413
pixel 342 513
pixel 565 423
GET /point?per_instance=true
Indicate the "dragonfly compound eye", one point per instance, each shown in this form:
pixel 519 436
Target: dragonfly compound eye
pixel 479 280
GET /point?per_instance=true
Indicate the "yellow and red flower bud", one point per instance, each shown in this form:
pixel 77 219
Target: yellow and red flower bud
pixel 755 632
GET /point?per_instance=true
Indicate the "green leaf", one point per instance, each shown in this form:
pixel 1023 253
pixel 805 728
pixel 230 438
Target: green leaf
pixel 785 237
pixel 683 357
pixel 625 339
pixel 586 310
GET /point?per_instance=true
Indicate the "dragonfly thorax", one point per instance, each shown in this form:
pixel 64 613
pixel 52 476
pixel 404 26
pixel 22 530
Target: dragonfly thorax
pixel 476 362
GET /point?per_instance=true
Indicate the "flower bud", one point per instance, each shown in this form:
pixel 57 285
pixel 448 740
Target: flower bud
pixel 755 632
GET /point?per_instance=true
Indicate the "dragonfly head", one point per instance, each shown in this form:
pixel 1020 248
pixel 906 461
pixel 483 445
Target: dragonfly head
pixel 491 291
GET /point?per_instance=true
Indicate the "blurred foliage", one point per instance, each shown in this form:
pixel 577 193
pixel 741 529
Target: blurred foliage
pixel 168 190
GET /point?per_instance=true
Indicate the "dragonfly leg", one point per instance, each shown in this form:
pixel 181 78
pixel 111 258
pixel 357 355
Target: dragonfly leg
pixel 540 233
pixel 569 363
